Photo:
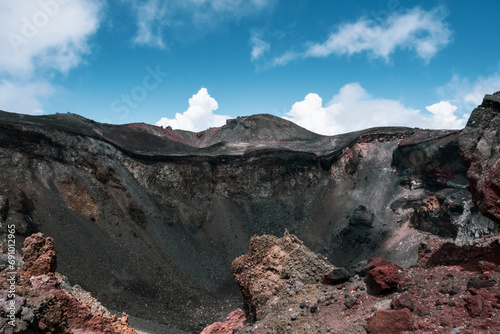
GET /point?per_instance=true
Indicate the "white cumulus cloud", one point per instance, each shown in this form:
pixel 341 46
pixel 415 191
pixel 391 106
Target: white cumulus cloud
pixel 45 34
pixel 311 115
pixel 39 38
pixel 417 30
pixel 353 108
pixel 444 116
pixel 199 116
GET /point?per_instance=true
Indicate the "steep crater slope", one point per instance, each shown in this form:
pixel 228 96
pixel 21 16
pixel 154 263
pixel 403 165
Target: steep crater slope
pixel 149 219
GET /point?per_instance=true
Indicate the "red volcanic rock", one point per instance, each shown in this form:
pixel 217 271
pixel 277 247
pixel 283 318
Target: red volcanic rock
pixel 39 255
pixel 272 266
pixel 483 256
pixel 45 282
pixel 478 306
pixel 480 282
pixel 234 322
pixel 486 266
pixel 390 322
pixel 422 310
pixel 79 316
pixel 402 301
pixel 491 325
pixel 383 278
pixel 379 262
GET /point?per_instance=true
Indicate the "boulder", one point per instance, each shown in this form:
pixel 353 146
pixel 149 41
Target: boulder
pixel 336 276
pixel 383 277
pixel 390 322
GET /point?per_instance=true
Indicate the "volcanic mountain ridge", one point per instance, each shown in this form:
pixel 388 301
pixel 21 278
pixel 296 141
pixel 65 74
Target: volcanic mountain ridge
pixel 141 215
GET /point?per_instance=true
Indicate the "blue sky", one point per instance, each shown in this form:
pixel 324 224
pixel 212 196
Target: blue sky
pixel 330 66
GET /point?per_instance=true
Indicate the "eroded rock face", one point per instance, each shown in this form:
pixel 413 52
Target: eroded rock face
pixel 480 151
pixel 275 266
pixel 39 255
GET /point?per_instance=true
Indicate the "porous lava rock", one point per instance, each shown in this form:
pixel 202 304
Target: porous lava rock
pixel 272 266
pixel 234 321
pixel 480 152
pixel 39 255
pixel 375 262
pixel 383 277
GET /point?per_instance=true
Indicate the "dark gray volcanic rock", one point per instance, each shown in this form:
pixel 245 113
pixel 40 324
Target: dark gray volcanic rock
pixel 480 150
pixel 149 219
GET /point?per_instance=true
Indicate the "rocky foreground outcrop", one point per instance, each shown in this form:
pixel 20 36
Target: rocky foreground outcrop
pixel 275 266
pixel 35 299
pixel 460 295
